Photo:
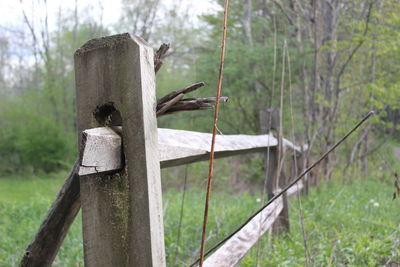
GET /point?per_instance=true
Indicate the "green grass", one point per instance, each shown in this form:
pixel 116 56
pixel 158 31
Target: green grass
pixel 23 189
pixel 343 225
pixel 24 202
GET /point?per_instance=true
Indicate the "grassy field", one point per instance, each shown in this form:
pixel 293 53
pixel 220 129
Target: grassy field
pixel 356 224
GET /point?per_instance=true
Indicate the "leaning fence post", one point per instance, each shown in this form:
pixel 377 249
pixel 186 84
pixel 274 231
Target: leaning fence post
pixel 122 212
pixel 269 120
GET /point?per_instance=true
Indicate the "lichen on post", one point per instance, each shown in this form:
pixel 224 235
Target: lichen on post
pixel 122 212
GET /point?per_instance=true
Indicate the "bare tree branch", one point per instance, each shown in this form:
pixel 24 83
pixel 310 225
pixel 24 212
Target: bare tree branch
pixel 360 43
pixel 285 12
pixel 169 104
pixel 185 90
pixel 159 55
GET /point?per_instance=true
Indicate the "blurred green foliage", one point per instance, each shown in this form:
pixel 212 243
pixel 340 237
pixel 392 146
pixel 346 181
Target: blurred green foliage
pixel 343 224
pixel 253 77
pixel 32 141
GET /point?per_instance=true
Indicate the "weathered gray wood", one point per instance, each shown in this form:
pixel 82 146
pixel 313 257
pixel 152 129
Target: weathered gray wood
pixel 240 244
pixel 290 146
pixel 43 249
pixel 270 168
pixel 102 151
pixel 282 224
pixel 230 253
pixel 293 190
pixel 47 241
pixel 269 120
pixel 122 212
pixel 158 56
pixel 176 147
pixel 173 142
pixel 301 165
pixel 102 148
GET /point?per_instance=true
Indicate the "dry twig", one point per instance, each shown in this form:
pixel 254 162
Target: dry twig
pixel 185 90
pixel 163 108
pixel 174 102
pixel 159 55
pixel 214 132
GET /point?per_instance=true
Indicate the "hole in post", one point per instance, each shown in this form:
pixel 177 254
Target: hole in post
pixel 108 115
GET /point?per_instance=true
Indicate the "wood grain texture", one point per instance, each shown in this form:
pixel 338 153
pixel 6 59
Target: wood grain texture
pixel 101 66
pixel 230 253
pixel 122 212
pixel 296 189
pixel 102 148
pixel 173 142
pixel 102 151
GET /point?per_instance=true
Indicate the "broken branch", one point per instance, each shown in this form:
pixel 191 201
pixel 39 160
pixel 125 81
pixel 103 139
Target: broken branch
pixel 185 90
pixel 173 102
pixel 169 104
pixel 159 55
pixel 209 99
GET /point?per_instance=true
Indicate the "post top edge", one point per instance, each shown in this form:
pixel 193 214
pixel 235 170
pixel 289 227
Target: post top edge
pixel 109 41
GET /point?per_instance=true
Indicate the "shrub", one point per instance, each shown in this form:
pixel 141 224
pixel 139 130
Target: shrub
pixel 29 140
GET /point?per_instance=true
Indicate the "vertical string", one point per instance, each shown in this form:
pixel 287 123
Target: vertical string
pixel 214 132
pixel 178 239
pixel 301 214
pixel 264 189
pixel 280 130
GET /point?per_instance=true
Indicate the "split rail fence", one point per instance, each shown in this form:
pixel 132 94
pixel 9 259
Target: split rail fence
pixel 117 179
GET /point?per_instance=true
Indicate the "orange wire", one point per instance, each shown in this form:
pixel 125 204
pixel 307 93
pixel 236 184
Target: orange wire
pixel 214 132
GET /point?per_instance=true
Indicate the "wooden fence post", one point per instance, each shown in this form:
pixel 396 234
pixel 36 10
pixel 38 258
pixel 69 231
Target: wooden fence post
pixel 122 213
pixel 301 165
pixel 269 120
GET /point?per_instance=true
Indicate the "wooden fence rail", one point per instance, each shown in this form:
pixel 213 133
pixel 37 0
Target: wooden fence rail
pixel 102 151
pixel 230 253
pixel 119 183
